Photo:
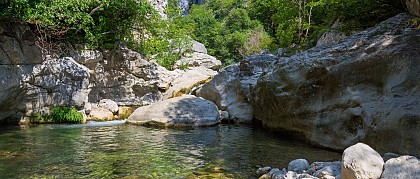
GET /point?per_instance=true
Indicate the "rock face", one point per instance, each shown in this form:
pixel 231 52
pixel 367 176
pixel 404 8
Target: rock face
pixel 128 79
pixel 402 167
pixel 231 88
pixel 361 161
pixel 413 6
pixel 365 88
pixel 186 110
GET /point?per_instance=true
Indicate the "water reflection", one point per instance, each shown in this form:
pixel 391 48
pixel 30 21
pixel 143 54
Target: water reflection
pixel 117 150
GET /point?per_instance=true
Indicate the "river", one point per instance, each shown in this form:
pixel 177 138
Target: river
pixel 116 150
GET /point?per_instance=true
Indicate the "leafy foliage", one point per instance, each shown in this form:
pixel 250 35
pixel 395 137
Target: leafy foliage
pixel 64 114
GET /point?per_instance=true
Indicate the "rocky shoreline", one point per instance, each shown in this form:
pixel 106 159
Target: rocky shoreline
pixel 358 161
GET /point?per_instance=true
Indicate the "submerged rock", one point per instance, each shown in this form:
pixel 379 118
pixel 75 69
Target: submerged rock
pixel 365 88
pixel 186 110
pixel 361 161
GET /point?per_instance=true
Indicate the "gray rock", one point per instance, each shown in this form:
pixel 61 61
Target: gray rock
pixel 402 167
pixel 322 169
pixel 109 105
pixel 361 161
pixel 298 165
pixel 363 89
pixel 224 115
pixel 87 56
pixel 198 60
pixel 231 89
pixel 198 47
pixel 186 110
pixel 413 6
pixel 276 173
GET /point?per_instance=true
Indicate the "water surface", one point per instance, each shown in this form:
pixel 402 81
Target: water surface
pixel 116 150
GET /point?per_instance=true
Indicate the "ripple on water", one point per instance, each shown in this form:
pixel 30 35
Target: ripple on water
pixel 115 150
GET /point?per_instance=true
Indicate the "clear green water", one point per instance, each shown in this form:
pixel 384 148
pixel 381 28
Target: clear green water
pixel 116 150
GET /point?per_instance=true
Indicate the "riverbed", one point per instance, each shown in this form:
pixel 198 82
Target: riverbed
pixel 116 150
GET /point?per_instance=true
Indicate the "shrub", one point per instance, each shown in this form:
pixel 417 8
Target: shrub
pixel 64 114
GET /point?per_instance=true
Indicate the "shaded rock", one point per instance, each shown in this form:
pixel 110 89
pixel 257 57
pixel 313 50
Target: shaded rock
pixel 109 105
pixel 186 110
pixel 325 169
pixel 198 60
pixel 413 6
pixel 100 114
pixel 361 161
pixel 231 88
pixel 402 167
pixel 331 37
pixel 298 165
pixel 224 115
pixel 125 112
pixel 262 170
pixel 364 88
pixel 389 155
pixel 187 80
pixel 87 56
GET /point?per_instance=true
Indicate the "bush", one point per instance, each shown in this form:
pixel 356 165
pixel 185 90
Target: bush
pixel 64 114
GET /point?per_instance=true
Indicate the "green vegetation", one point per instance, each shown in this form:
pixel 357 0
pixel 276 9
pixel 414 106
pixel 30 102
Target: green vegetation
pixel 230 29
pixel 60 114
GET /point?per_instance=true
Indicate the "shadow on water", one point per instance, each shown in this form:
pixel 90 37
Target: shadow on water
pixel 99 150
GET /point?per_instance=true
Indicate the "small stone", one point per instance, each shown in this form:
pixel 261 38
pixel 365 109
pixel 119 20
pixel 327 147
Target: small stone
pixel 298 165
pixel 262 170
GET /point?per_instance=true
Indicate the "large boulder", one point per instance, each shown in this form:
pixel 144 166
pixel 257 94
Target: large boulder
pixel 196 59
pixel 402 167
pixel 361 161
pixel 413 6
pixel 364 88
pixel 186 110
pixel 187 80
pixel 231 89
